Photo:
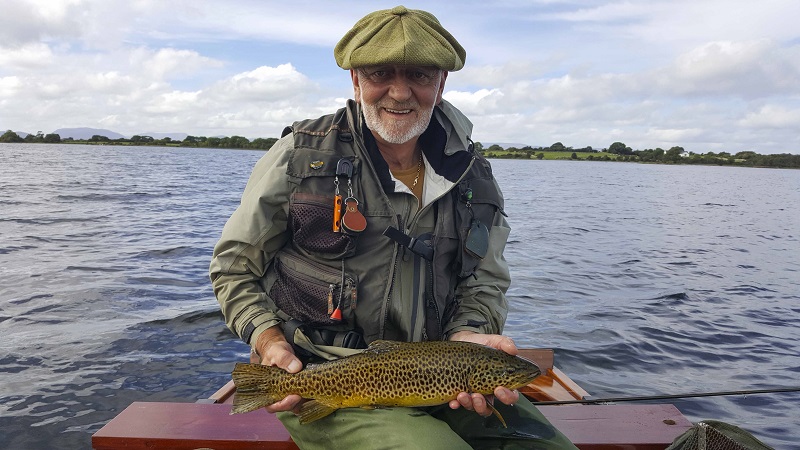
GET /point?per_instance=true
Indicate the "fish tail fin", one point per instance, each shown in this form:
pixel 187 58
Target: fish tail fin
pixel 314 410
pixel 255 387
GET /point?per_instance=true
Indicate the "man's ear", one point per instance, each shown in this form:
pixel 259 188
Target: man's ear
pixel 441 87
pixel 356 88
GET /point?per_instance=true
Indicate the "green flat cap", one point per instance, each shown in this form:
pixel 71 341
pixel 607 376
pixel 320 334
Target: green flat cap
pixel 399 36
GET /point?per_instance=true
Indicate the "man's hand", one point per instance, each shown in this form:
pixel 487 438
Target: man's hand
pixel 273 349
pixel 477 402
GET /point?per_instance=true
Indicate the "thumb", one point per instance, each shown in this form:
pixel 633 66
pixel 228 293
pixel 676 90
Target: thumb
pixel 294 365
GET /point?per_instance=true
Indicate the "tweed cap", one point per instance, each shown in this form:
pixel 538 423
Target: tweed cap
pixel 399 36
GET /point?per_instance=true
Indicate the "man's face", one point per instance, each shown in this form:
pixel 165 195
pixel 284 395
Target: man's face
pixel 398 101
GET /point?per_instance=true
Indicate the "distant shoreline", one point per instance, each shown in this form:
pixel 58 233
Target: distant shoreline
pixel 617 152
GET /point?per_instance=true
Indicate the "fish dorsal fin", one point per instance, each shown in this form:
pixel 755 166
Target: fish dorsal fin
pixel 314 410
pixel 380 346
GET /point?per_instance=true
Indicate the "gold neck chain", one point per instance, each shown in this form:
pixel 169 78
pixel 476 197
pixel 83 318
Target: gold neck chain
pixel 419 168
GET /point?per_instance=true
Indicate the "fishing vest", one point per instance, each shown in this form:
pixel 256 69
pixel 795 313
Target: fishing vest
pixel 320 270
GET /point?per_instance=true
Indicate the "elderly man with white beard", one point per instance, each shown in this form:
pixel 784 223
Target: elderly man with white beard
pixel 378 222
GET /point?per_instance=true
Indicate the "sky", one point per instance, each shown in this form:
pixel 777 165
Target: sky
pixel 706 75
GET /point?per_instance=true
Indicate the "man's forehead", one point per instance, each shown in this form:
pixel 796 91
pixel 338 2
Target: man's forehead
pixel 400 68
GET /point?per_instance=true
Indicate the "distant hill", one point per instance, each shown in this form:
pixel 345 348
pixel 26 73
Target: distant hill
pixel 86 133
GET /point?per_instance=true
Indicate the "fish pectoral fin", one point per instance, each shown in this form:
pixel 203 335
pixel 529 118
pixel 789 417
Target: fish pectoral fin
pixel 497 414
pixel 314 410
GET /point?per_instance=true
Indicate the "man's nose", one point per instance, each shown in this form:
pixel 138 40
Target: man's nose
pixel 400 90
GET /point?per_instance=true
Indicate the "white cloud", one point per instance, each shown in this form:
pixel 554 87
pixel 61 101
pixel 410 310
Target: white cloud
pixel 715 74
pixel 675 135
pixel 174 102
pixel 9 86
pixel 483 101
pixel 772 117
pixel 166 63
pixel 743 69
pixel 109 121
pixel 265 83
pixel 29 21
pixel 27 56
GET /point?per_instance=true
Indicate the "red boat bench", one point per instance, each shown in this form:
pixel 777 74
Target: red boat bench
pixel 190 426
pixel 209 425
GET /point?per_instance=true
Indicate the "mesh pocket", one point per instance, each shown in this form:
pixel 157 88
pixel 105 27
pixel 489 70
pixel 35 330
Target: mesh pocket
pixel 309 298
pixel 311 225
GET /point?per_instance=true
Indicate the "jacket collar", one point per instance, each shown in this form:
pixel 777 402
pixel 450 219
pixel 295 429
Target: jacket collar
pixel 446 144
pixel 456 125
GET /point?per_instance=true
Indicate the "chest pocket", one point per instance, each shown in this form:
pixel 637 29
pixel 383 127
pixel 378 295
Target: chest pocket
pixel 311 226
pixel 476 205
pixel 311 205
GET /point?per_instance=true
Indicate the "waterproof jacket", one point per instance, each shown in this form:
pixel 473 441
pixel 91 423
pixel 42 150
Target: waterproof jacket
pixel 278 260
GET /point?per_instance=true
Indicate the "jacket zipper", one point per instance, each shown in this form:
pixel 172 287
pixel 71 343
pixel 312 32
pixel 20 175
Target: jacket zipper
pixel 395 255
pixel 429 273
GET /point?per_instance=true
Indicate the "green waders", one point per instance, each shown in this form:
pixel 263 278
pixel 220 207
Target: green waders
pixel 431 428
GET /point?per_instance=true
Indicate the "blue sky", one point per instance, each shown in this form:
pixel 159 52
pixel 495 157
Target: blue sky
pixel 708 75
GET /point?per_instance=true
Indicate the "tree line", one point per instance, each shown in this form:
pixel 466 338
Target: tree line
pixel 238 142
pixel 617 151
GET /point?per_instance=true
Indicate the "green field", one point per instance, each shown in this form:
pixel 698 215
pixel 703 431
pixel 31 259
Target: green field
pixel 548 155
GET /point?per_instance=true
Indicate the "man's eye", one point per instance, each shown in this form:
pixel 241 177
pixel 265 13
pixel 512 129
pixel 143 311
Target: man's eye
pixel 380 74
pixel 421 77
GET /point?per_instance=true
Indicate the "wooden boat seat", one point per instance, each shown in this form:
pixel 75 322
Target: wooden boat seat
pixel 208 424
pixel 190 426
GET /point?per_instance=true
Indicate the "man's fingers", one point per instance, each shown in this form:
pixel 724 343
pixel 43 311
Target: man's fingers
pixel 497 341
pixel 506 395
pixel 507 345
pixel 465 400
pixel 288 362
pixel 281 355
pixel 479 405
pixel 288 403
pixel 471 402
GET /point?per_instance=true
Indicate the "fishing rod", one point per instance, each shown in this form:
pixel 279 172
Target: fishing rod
pixel 671 396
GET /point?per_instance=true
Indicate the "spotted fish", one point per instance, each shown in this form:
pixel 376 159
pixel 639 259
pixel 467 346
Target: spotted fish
pixel 386 374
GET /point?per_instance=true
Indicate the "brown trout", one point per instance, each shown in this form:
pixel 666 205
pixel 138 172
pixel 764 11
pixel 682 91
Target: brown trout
pixel 386 374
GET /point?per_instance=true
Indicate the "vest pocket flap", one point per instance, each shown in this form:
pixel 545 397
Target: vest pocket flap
pixel 306 163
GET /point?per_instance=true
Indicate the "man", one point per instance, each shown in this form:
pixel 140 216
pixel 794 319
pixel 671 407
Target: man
pixel 377 222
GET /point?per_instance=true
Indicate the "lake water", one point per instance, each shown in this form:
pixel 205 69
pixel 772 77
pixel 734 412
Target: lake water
pixel 646 279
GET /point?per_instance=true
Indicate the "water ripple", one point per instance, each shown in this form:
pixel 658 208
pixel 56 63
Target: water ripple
pixel 656 280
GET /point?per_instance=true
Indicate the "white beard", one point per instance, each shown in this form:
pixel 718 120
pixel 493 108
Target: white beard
pixel 395 132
